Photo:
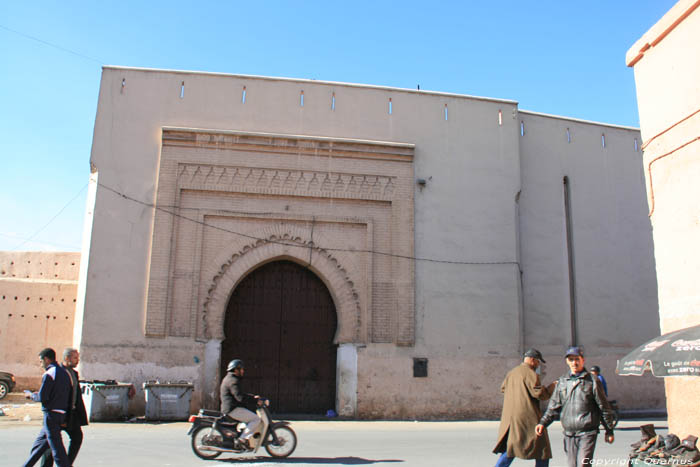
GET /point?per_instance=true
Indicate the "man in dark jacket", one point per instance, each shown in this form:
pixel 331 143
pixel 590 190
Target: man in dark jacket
pixel 237 404
pixel 77 416
pixel 54 396
pixel 581 402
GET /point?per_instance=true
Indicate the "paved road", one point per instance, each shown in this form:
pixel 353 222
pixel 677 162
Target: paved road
pixel 320 443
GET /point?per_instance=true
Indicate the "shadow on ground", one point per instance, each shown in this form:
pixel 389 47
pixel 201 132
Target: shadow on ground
pixel 636 428
pixel 310 460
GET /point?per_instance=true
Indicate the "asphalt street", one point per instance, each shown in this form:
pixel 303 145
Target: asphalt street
pixel 320 443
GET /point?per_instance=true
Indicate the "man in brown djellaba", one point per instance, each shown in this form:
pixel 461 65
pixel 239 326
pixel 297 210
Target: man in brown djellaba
pixel 522 392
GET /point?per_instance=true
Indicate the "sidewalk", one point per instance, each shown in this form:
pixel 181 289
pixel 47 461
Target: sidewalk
pixel 17 408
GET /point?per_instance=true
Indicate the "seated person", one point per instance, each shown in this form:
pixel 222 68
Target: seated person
pixel 234 401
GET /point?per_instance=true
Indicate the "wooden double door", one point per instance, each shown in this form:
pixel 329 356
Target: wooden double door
pixel 281 321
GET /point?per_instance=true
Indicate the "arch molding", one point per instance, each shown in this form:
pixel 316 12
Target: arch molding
pixel 275 246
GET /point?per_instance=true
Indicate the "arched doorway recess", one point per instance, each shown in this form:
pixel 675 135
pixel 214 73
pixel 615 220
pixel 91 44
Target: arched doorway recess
pixel 281 320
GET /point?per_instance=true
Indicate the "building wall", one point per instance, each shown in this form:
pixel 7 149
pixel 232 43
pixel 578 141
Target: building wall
pixel 37 306
pixel 615 282
pixel 467 311
pixel 667 75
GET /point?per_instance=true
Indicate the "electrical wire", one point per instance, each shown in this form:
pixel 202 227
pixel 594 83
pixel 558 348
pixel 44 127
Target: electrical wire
pixel 345 250
pixel 162 209
pixel 52 219
pixel 14 237
pixel 651 182
pixel 41 41
pixel 689 116
pixel 647 143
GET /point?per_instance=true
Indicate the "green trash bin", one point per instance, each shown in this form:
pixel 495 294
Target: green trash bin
pixel 168 401
pixel 105 401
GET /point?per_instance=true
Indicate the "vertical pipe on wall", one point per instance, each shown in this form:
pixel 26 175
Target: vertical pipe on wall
pixel 570 257
pixel 518 228
pixel 519 281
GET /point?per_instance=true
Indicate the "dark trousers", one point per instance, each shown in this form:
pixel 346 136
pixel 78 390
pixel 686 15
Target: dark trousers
pixel 579 448
pixel 76 439
pixel 50 438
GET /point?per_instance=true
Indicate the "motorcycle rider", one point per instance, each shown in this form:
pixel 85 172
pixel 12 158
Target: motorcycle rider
pixel 235 402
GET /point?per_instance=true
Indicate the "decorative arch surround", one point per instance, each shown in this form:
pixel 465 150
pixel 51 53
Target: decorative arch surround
pixel 284 243
pixel 275 187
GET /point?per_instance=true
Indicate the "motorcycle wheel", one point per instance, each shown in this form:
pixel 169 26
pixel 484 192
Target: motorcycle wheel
pixel 287 442
pixel 198 442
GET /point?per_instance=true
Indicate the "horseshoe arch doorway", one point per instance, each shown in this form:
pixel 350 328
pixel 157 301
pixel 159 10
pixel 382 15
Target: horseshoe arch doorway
pixel 281 321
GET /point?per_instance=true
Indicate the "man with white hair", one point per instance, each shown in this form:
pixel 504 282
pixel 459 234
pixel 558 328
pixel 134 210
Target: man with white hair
pixel 76 417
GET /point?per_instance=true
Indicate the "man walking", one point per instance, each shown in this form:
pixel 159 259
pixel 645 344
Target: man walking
pixel 595 371
pixel 581 402
pixel 521 412
pixel 76 416
pixel 54 396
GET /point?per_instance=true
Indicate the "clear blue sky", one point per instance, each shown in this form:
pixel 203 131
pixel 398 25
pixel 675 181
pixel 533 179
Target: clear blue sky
pixel 559 57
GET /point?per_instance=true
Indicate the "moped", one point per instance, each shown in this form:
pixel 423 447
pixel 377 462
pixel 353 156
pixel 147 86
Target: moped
pixel 214 433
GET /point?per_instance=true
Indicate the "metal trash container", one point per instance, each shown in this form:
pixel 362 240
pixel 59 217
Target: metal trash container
pixel 168 401
pixel 105 400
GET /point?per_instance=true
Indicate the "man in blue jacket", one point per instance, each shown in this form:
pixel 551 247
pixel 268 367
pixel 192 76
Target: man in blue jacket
pixel 595 371
pixel 77 416
pixel 54 396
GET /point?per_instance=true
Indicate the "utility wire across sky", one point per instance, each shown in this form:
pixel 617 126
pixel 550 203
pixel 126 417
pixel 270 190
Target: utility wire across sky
pixel 252 237
pixel 41 41
pixel 51 220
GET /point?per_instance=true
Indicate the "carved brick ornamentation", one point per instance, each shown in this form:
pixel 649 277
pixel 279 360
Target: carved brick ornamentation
pixel 279 181
pixel 347 297
pixel 212 177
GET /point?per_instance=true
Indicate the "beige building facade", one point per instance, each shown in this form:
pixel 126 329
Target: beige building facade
pixel 389 251
pixel 667 75
pixel 38 293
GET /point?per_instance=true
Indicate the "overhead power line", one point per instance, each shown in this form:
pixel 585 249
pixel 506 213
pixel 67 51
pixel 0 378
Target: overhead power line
pixel 252 237
pixel 55 46
pixel 52 219
pixel 64 245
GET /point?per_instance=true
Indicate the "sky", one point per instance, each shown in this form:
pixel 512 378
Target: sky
pixel 558 57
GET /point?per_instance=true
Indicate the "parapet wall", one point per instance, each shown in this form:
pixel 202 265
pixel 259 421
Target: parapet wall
pixel 37 306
